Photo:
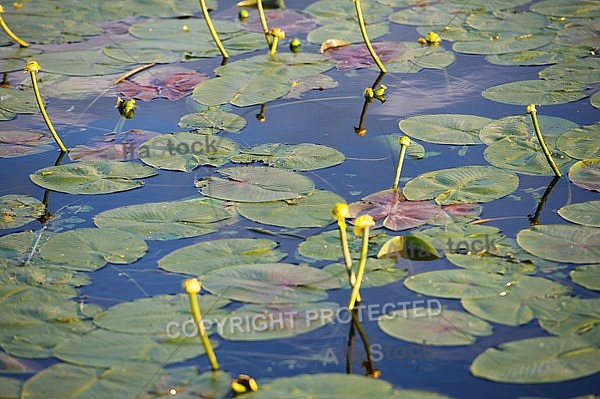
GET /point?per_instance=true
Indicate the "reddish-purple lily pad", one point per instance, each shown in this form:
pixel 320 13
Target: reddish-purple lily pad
pixel 112 146
pixel 17 143
pixel 290 21
pixel 397 212
pixel 170 82
pixel 357 55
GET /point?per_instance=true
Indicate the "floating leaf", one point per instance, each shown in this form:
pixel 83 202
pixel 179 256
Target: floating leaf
pixel 537 360
pixel 540 92
pixel 18 210
pixel 170 82
pixel 304 156
pixel 587 276
pixel 585 213
pixel 256 184
pixel 457 283
pixel 502 43
pixel 220 253
pixel 521 126
pixel 378 272
pixel 397 212
pixel 576 8
pixel 561 243
pixel 586 174
pixel 434 327
pixel 214 119
pixel 112 146
pixel 462 238
pixel 308 83
pixel 92 177
pixel 90 248
pixel 416 58
pixel 314 210
pixel 515 305
pixel 81 63
pixel 582 142
pixel 265 322
pixel 583 70
pixel 270 283
pixel 444 128
pixel 432 14
pixel 408 247
pixel 186 151
pixel 13 102
pixel 18 143
pixel 575 317
pixel 507 21
pixel 167 220
pixel 356 56
pixel 463 184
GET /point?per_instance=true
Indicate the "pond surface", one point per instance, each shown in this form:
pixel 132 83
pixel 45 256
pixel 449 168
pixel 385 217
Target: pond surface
pixel 418 350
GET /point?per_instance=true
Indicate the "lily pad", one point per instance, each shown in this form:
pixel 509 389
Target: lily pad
pixel 18 210
pixel 507 21
pixel 13 102
pixel 272 283
pixel 463 184
pixel 445 328
pixel 582 142
pixel 587 276
pixel 81 63
pixel 576 317
pixel 586 174
pixel 537 360
pixel 92 177
pixel 583 70
pixel 408 247
pixel 585 213
pixel 444 128
pixel 416 58
pixel 521 126
pixel 541 92
pixel 314 210
pixel 90 249
pixel 562 243
pixel 502 43
pixel 266 322
pixel 255 184
pixel 356 56
pixel 457 283
pixel 170 82
pixel 516 305
pixel 18 143
pixel 112 146
pixel 214 119
pixel 167 220
pixel 378 272
pixel 216 254
pixel 185 151
pixel 304 156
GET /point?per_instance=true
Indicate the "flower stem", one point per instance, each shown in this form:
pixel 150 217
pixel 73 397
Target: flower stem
pixel 263 22
pixel 212 30
pixel 361 270
pixel 363 30
pixel 192 287
pixel 10 33
pixel 346 253
pixel 533 112
pixel 404 143
pixel 32 67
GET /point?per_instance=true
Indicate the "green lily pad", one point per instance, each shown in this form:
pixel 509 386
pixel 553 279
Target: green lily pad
pixel 90 249
pixel 216 119
pixel 444 128
pixel 537 360
pixel 346 30
pixel 92 177
pixel 325 11
pixel 186 382
pixel 575 8
pixel 266 322
pixel 445 328
pixel 541 92
pixel 81 63
pixel 502 43
pixel 19 210
pixel 378 272
pixel 562 243
pixel 507 21
pixel 415 58
pixel 433 14
pixel 314 210
pixel 186 151
pixel 515 305
pixel 576 317
pixel 587 276
pixel 255 184
pixel 463 184
pixel 221 253
pixel 271 283
pixel 583 70
pixel 18 143
pixel 595 100
pixel 521 126
pixel 585 213
pixel 455 237
pixel 11 387
pixel 326 245
pixel 13 102
pixel 161 315
pixel 103 348
pixel 457 283
pixel 167 220
pixel 582 142
pixel 304 156
pixel 586 174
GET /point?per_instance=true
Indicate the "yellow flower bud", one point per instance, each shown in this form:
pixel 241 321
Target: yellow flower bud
pixel 404 140
pixel 531 109
pixel 243 384
pixel 363 222
pixel 340 211
pixel 33 66
pixel 192 286
pixel 278 33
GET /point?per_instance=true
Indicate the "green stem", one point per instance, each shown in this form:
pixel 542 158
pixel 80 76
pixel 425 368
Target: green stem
pixel 202 332
pixel 274 45
pixel 363 30
pixel 346 253
pixel 531 109
pixel 263 21
pixel 403 145
pixel 212 30
pixel 10 33
pixel 40 102
pixel 361 270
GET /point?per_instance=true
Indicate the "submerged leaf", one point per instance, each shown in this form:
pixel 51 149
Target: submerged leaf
pixel 18 143
pixel 18 210
pixel 112 146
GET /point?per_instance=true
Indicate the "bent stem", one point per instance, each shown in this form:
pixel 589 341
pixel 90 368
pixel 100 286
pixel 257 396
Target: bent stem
pixel 212 30
pixel 533 112
pixel 32 67
pixel 362 225
pixel 340 212
pixel 363 30
pixel 9 32
pixel 404 143
pixel 193 287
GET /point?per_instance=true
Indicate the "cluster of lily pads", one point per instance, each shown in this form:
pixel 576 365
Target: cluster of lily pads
pixel 122 351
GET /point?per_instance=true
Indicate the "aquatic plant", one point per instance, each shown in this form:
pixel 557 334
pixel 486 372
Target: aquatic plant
pixel 341 211
pixel 212 30
pixel 362 224
pixel 404 143
pixel 363 31
pixel 10 33
pixel 531 110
